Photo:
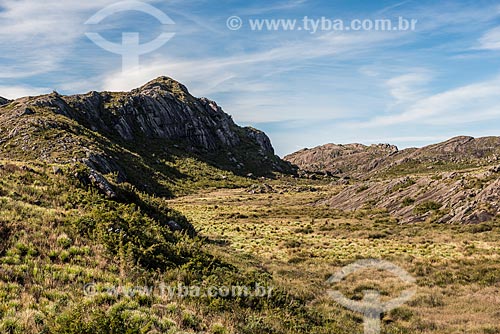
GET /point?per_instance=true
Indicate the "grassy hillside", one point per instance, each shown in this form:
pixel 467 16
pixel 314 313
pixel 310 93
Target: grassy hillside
pixel 59 235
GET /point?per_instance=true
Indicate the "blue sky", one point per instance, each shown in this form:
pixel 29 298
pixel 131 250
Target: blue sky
pixel 408 88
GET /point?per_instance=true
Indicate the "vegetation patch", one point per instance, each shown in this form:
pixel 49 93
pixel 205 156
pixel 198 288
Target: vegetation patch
pixel 426 207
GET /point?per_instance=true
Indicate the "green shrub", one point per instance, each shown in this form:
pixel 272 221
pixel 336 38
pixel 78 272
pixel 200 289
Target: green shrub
pixel 218 329
pixel 425 207
pixel 407 201
pixel 362 188
pixel 480 228
pixel 401 313
pixel 64 241
pixel 191 321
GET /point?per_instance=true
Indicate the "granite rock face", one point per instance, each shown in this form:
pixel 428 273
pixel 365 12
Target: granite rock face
pixel 464 198
pixel 349 159
pixel 161 109
pixel 455 181
pixel 364 162
pixel 162 112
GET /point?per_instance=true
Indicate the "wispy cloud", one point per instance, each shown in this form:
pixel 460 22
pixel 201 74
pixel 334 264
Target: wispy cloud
pixel 271 7
pixel 392 7
pixel 13 92
pixel 466 103
pixel 36 36
pixel 217 70
pixel 408 88
pixel 250 81
pixel 490 40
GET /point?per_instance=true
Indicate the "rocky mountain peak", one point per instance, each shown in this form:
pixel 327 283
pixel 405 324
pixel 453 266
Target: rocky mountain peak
pixel 165 84
pixel 162 112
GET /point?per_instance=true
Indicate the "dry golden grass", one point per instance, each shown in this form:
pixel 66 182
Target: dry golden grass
pixel 457 267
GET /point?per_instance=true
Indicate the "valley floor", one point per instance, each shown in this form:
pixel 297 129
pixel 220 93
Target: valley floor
pixel 278 227
pixel 57 236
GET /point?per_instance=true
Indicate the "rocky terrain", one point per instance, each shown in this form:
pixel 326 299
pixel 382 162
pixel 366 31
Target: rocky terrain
pixel 350 159
pixel 468 197
pixel 138 135
pixel 3 101
pixel 364 162
pixel 456 181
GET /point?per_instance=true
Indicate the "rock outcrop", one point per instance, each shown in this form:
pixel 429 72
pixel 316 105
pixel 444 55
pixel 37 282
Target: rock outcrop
pixel 456 153
pixel 161 109
pixel 162 113
pixel 456 181
pixel 3 101
pixel 464 198
pixel 365 162
pixel 350 159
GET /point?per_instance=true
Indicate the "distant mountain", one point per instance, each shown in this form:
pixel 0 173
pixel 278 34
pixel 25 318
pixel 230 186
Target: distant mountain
pixel 456 181
pixel 362 162
pixel 350 159
pixel 140 135
pixel 454 154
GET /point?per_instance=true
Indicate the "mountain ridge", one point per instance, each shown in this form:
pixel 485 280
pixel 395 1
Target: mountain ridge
pixel 362 161
pixel 145 104
pixel 148 128
pixel 455 181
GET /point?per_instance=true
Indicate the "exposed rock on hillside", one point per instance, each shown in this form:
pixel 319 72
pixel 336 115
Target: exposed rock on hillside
pixel 350 159
pixel 447 182
pixel 364 162
pixel 106 129
pixel 454 154
pixel 3 101
pixel 471 197
pixel 161 109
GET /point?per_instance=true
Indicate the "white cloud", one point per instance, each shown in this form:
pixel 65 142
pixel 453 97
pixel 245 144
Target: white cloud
pixel 408 87
pixel 14 92
pixel 490 40
pixel 37 35
pixel 251 82
pixel 249 101
pixel 467 103
pixel 263 62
